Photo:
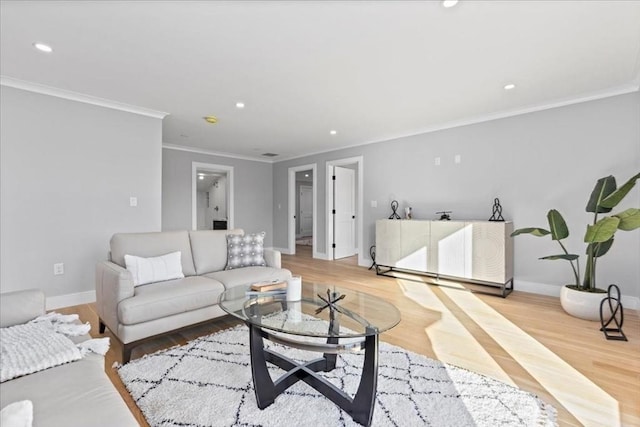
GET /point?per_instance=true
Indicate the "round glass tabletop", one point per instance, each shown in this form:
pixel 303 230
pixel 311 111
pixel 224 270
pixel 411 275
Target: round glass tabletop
pixel 354 314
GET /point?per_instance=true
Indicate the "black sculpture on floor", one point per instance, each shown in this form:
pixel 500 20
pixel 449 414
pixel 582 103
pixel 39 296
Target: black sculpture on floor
pixel 394 208
pixel 497 211
pixel 617 316
pixel 372 253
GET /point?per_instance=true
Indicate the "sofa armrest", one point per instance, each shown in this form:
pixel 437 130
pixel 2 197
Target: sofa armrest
pixel 21 306
pixel 113 284
pixel 272 258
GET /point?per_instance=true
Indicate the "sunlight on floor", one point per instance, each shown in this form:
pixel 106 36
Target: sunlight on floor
pixel 454 344
pixel 586 401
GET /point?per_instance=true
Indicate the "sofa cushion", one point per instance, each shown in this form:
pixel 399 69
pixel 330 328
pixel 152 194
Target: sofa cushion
pixel 163 299
pixel 248 275
pixel 245 251
pixel 209 249
pixel 152 245
pixel 72 395
pixel 154 269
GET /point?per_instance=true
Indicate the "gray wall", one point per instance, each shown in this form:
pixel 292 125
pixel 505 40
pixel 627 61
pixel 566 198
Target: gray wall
pixel 67 172
pixel 532 162
pixel 253 191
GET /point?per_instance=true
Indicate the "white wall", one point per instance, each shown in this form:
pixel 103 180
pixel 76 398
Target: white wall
pixel 253 191
pixel 67 172
pixel 532 162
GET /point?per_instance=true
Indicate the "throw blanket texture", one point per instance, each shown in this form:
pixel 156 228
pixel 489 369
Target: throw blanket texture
pixel 43 343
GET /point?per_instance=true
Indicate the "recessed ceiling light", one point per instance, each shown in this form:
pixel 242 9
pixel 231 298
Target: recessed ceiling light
pixel 211 119
pixel 201 177
pixel 509 86
pixel 43 47
pixel 239 104
pixel 449 3
pixel 333 132
pixel 306 175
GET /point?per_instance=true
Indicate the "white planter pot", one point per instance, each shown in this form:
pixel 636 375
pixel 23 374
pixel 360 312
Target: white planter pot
pixel 584 305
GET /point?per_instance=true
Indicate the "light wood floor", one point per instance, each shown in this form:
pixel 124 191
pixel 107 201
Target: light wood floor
pixel 524 339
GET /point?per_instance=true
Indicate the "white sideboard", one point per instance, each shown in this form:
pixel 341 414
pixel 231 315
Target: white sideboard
pixel 479 252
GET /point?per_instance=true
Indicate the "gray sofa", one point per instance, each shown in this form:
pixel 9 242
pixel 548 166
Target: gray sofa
pixel 134 314
pixel 74 394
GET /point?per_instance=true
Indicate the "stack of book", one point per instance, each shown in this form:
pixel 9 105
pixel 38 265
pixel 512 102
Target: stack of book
pixel 277 287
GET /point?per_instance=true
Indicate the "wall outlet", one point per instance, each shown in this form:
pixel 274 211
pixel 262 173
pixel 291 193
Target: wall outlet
pixel 133 201
pixel 457 158
pixel 437 161
pixel 58 269
pixel 374 203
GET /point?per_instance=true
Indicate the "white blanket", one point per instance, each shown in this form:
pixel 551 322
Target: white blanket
pixel 42 344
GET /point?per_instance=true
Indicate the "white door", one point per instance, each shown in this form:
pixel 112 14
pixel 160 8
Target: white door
pixel 306 211
pixel 344 218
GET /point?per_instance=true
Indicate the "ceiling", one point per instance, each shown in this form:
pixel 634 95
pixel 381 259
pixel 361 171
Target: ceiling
pixel 372 71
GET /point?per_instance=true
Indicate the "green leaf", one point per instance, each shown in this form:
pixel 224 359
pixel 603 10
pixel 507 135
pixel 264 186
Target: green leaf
pixel 629 219
pixel 568 257
pixel 557 225
pixel 538 232
pixel 604 187
pixel 615 198
pixel 602 230
pixel 600 249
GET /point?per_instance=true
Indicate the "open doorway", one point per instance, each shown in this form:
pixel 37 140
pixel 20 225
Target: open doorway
pixel 345 207
pixel 212 196
pixel 302 208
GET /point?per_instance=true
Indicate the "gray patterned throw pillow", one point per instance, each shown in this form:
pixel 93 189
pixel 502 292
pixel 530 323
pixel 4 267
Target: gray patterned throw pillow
pixel 245 250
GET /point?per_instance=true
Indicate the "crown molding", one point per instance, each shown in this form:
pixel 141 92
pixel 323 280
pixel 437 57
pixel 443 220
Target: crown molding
pixel 79 97
pixel 594 96
pixel 214 153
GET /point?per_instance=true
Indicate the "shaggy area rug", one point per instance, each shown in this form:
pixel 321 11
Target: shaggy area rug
pixel 207 382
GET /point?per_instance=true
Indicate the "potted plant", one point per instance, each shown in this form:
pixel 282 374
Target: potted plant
pixel 582 298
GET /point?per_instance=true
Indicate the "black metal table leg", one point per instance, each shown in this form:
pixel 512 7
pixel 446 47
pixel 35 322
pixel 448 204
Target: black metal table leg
pixel 365 399
pixel 334 329
pixel 262 382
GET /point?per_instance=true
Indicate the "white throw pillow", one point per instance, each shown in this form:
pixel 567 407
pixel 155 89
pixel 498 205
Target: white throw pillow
pixel 156 269
pixel 17 414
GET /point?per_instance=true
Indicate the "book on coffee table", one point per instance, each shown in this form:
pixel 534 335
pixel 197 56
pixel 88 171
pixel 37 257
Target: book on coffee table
pixel 269 286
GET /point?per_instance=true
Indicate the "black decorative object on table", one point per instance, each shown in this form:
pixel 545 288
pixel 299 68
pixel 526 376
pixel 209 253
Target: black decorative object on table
pixel 394 208
pixel 330 301
pixel 617 317
pixel 497 211
pixel 445 215
pixel 372 254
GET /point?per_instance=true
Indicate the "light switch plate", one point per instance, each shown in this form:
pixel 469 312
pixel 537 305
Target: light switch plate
pixel 133 201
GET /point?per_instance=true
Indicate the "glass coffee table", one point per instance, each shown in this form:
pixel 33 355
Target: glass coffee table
pixel 328 320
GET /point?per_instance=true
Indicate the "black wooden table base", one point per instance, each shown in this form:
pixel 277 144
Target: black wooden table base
pixel 360 407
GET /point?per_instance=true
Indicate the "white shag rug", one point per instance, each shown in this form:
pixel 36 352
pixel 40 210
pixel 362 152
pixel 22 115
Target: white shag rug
pixel 207 382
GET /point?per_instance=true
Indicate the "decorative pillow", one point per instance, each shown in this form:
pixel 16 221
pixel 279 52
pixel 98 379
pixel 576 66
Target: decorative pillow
pixel 156 269
pixel 245 251
pixel 17 414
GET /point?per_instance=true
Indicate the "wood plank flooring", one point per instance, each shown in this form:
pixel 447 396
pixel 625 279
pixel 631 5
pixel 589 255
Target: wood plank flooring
pixel 525 340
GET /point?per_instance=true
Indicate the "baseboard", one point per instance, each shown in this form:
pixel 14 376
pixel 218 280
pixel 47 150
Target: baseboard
pixel 628 302
pixel 69 300
pixel 282 250
pixel 321 255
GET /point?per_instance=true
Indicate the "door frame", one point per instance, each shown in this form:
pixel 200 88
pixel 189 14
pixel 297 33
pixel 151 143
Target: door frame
pixel 298 211
pixel 359 161
pixel 291 222
pixel 209 167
